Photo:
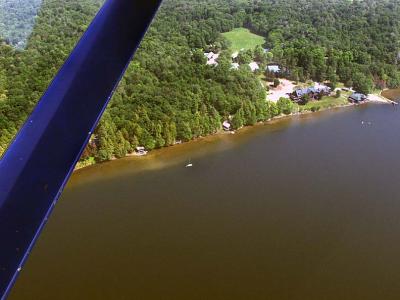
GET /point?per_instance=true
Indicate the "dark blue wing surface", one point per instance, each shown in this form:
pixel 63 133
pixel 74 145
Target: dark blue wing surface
pixel 37 165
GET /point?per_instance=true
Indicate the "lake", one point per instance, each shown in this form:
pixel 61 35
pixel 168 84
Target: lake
pixel 304 208
pixel 393 94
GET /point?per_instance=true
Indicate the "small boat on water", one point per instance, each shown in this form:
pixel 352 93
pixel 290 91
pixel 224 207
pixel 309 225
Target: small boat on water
pixel 189 164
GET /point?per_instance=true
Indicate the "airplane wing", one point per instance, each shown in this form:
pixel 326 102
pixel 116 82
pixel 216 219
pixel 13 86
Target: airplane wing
pixel 37 165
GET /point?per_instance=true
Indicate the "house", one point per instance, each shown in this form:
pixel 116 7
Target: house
pixel 140 151
pixel 273 69
pixel 357 97
pixel 254 66
pixel 212 62
pixel 209 55
pixel 235 55
pixel 322 88
pixel 299 94
pixel 212 58
pixel 313 92
pixel 226 126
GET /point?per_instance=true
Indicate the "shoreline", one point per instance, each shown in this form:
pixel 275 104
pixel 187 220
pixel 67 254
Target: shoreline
pixel 378 99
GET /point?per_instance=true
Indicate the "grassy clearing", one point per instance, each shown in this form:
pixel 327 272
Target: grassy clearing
pixel 325 103
pixel 242 38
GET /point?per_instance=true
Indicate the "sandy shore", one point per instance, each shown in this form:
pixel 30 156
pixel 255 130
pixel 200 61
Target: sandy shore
pixel 378 99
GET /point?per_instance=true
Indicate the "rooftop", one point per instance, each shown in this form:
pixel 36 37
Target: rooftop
pixel 254 66
pixel 358 96
pixel 274 68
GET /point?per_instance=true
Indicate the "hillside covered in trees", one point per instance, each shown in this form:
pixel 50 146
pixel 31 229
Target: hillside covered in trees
pixel 170 94
pixel 17 18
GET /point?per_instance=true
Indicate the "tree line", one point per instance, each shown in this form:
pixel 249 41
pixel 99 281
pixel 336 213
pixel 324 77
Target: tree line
pixel 169 94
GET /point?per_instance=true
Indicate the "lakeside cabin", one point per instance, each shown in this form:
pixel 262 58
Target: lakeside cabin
pixel 313 92
pixel 140 151
pixel 226 126
pixel 357 98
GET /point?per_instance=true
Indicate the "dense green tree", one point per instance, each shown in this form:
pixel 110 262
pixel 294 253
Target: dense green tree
pixel 285 106
pixel 169 93
pixel 362 83
pixel 245 57
pixel 3 85
pixel 272 110
pixel 238 119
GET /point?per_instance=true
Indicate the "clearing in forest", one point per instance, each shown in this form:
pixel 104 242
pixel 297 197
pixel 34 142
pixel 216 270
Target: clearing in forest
pixel 242 38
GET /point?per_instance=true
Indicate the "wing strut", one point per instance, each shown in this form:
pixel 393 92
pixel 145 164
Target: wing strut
pixel 39 162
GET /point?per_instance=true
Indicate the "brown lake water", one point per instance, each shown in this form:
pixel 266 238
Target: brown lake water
pixel 393 94
pixel 304 208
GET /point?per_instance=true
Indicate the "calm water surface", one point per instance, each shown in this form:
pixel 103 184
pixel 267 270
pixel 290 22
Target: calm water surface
pixel 306 208
pixel 393 94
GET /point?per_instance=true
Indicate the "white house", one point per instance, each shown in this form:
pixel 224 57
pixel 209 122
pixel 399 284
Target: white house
pixel 140 151
pixel 212 58
pixel 227 126
pixel 320 86
pixel 235 55
pixel 274 68
pixel 209 55
pixel 254 66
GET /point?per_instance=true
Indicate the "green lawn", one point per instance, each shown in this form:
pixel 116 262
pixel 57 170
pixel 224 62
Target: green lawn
pixel 242 38
pixel 325 103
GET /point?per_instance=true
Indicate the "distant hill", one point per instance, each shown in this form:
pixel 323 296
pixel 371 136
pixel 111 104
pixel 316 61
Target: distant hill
pixel 17 18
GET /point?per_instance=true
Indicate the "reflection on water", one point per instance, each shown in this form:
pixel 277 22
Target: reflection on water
pixel 304 209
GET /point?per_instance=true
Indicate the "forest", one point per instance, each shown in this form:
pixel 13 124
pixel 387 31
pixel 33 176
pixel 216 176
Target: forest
pixel 169 94
pixel 17 18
